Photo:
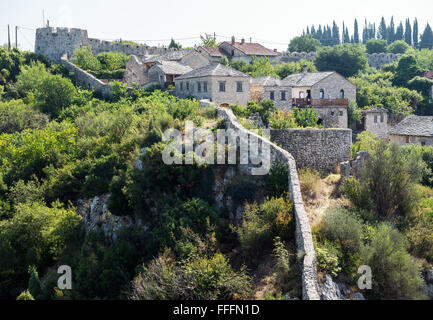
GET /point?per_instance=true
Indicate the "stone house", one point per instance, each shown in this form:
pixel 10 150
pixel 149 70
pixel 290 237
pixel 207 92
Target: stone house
pixel 328 92
pixel 413 130
pixel 376 121
pixel 217 83
pixel 165 72
pixel 272 89
pixel 242 50
pixel 163 68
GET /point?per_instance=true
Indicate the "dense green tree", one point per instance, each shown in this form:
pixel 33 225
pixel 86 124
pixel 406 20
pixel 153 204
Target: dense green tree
pixel 427 38
pixel 347 59
pixel 376 46
pixel 407 69
pixel 209 41
pixel 174 45
pixel 391 31
pixel 398 46
pixel 335 34
pixel 34 286
pixel 84 58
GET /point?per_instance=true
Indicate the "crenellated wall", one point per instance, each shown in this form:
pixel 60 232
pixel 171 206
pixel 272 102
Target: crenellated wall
pixel 53 43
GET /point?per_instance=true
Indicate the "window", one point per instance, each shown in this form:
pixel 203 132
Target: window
pixel 301 95
pixel 272 95
pixel 423 143
pixel 283 95
pixel 198 87
pixel 239 86
pixel 181 86
pixel 222 86
pixel 341 113
pixel 375 119
pixel 205 86
pixel 322 94
pixel 381 117
pixel 407 139
pixel 341 94
pixel 187 86
pixel 332 113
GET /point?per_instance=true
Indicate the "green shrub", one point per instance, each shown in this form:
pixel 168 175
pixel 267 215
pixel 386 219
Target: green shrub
pixel 16 116
pixel 25 295
pixel 277 181
pixel 196 279
pixel 306 117
pixel 282 120
pixel 395 274
pixel 327 261
pixel 261 224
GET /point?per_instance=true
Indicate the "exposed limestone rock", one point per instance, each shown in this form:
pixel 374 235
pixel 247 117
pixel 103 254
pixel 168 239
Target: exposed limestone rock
pixel 255 120
pixel 204 103
pixel 97 217
pixel 354 167
pixel 139 164
pixel 329 289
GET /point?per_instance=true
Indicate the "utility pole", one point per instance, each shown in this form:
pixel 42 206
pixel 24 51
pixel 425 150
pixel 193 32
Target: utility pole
pixel 9 38
pixel 214 36
pixel 16 37
pixel 43 18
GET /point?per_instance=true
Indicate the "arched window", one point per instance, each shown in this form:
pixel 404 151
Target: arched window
pixel 322 94
pixel 341 94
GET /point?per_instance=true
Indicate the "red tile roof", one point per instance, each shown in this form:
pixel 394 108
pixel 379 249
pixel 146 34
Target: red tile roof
pixel 213 51
pixel 428 75
pixel 253 49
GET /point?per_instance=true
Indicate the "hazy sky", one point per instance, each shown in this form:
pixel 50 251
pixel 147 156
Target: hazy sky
pixel 271 22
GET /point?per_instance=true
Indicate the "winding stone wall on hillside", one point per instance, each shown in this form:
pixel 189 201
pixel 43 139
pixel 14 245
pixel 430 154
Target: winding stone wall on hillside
pixel 322 149
pixel 304 240
pixel 86 79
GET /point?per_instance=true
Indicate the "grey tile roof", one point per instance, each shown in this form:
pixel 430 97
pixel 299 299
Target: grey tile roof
pixel 173 67
pixel 213 70
pixel 305 79
pixel 169 56
pixel 414 126
pixel 265 81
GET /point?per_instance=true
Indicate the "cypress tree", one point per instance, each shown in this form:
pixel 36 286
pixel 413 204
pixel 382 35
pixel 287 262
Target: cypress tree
pixel 35 288
pixel 365 32
pixel 391 31
pixel 408 33
pixel 399 34
pixel 335 34
pixel 347 36
pixel 356 32
pixel 427 38
pixel 382 31
pixel 415 34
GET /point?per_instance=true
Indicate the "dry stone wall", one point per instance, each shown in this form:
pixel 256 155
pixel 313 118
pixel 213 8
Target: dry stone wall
pixel 304 240
pixel 86 79
pixel 322 149
pixel 375 60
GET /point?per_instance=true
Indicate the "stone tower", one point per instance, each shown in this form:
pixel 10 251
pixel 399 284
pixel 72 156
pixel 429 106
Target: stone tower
pixel 53 43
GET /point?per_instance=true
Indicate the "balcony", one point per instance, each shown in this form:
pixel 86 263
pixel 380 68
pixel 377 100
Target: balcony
pixel 302 103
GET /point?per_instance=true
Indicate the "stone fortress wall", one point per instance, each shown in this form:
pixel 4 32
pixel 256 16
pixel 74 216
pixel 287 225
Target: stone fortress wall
pixel 322 149
pixel 375 60
pixel 304 239
pixel 53 43
pixel 86 79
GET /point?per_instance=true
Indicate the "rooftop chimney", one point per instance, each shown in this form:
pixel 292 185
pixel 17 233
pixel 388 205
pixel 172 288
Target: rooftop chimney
pixel 275 50
pixel 242 41
pixel 233 39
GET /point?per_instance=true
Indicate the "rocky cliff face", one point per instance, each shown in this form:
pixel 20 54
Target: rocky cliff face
pixel 97 217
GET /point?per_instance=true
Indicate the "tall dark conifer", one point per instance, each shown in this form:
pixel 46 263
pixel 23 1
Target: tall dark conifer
pixel 355 32
pixel 382 32
pixel 408 33
pixel 415 34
